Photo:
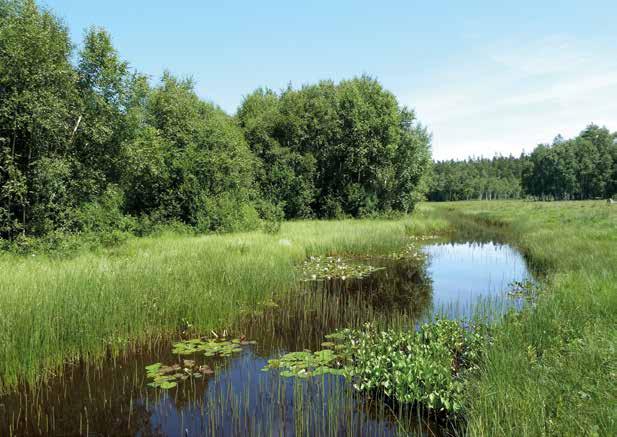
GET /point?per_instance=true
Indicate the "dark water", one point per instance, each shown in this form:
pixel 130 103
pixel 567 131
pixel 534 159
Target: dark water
pixel 112 398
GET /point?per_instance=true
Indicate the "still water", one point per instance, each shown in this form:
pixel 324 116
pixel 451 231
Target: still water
pixel 473 278
pixel 112 398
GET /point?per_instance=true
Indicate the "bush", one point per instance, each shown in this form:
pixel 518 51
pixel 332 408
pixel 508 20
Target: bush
pixel 226 213
pixel 105 214
pixel 271 216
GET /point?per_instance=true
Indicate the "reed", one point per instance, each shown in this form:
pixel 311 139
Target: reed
pixel 56 310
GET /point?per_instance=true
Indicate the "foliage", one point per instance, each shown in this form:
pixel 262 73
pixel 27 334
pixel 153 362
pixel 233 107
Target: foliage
pixel 581 168
pixel 477 179
pixel 306 364
pixel 38 95
pixel 167 377
pixel 329 149
pixel 75 127
pixel 429 367
pixel 211 347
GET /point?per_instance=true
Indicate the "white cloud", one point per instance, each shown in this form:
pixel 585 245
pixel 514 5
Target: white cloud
pixel 549 55
pixel 517 97
pixel 566 90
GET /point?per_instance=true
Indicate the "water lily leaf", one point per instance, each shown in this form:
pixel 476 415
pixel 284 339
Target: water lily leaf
pixel 166 385
pixel 165 369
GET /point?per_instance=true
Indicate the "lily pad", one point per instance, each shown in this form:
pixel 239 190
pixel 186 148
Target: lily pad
pixel 210 348
pixel 167 376
pixel 326 268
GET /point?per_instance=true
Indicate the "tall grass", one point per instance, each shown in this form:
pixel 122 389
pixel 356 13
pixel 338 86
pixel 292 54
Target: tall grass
pixel 553 368
pixel 54 310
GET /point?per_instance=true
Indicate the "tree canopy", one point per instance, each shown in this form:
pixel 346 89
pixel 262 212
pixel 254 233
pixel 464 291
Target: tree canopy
pixel 584 167
pixel 336 149
pixel 88 144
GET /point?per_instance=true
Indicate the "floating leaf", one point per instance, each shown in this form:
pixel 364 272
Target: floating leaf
pixel 167 385
pixel 326 268
pixel 163 376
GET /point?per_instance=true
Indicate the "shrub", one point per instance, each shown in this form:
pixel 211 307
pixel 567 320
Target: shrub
pixel 271 216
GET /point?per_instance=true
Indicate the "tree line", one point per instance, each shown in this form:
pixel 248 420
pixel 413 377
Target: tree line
pixel 89 145
pixel 584 167
pixel 477 179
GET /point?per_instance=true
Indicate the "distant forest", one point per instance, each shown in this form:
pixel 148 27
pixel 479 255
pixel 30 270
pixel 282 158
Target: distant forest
pixel 89 146
pixel 581 168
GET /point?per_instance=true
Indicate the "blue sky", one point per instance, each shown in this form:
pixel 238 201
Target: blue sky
pixel 485 77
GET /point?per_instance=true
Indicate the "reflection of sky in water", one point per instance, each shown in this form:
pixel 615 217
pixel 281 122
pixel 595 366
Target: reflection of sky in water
pixel 263 403
pixel 466 274
pixel 242 400
pixel 462 276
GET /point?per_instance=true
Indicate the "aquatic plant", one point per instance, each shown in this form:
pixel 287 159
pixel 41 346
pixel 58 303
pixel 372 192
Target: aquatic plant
pixel 325 268
pixel 167 377
pixel 306 363
pixel 427 367
pixel 409 252
pixel 220 347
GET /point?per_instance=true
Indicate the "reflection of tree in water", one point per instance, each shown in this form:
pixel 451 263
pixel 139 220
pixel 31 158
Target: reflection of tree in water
pixel 400 293
pixel 108 398
pixel 402 287
pixel 111 398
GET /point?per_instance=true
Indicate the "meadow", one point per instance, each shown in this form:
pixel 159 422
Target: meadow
pixel 550 370
pixel 57 309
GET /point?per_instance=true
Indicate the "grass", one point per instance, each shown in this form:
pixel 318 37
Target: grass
pixel 553 368
pixel 53 310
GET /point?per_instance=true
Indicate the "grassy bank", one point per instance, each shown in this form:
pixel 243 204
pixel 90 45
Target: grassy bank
pixel 553 368
pixel 52 310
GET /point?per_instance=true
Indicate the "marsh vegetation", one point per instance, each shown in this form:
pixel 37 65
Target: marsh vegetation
pixel 312 338
pixel 171 269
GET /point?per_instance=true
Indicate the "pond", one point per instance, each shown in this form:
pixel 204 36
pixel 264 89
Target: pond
pixel 238 398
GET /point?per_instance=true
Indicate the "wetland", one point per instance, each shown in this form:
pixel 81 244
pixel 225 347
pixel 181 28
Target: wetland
pixel 222 382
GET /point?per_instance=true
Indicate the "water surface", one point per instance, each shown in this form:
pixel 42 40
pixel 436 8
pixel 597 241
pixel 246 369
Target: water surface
pixel 473 277
pixel 112 398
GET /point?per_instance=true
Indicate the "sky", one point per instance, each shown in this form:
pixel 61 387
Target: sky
pixel 485 77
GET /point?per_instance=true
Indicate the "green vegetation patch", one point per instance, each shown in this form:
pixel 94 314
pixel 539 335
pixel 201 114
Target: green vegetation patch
pixel 220 347
pixel 306 363
pixel 318 268
pixel 167 377
pixel 411 252
pixel 428 367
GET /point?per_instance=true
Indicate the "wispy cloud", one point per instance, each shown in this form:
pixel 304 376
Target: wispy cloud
pixel 511 96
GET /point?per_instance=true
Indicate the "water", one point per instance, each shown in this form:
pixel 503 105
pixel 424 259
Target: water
pixel 471 277
pixel 112 398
